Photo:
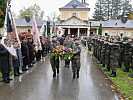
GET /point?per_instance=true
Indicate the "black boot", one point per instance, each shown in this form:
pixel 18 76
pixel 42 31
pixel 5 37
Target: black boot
pixel 74 75
pixel 113 74
pixel 57 71
pixel 54 74
pixel 77 74
pixel 126 70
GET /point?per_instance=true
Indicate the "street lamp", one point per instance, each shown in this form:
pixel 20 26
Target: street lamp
pixel 90 28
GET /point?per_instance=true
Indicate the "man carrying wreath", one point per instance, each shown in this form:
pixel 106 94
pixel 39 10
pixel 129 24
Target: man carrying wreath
pixel 54 62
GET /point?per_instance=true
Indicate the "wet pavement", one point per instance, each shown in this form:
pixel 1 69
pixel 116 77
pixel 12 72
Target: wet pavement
pixel 38 83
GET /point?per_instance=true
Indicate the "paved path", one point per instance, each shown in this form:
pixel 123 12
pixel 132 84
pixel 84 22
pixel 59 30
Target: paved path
pixel 38 83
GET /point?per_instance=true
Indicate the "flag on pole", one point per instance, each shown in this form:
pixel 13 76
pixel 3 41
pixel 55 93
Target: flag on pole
pixel 36 35
pixel 7 40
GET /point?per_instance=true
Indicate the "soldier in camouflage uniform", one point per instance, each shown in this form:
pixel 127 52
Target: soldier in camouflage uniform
pixel 107 56
pixel 68 43
pixel 127 55
pixel 54 62
pixel 76 58
pixel 114 54
pixel 132 59
pixel 89 43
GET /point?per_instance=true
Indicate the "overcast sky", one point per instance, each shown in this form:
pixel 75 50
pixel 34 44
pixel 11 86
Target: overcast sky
pixel 47 6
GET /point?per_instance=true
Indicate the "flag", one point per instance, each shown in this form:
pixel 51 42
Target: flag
pixel 36 35
pixel 7 41
pixel 43 31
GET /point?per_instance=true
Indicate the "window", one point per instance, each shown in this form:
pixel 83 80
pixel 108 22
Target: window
pixel 74 14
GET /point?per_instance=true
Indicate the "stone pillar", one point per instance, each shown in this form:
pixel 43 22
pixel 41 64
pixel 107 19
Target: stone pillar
pixel 68 30
pixel 78 32
pixel 88 31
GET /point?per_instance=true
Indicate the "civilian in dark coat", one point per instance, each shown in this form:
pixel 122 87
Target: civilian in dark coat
pixel 31 52
pixel 25 54
pixel 4 63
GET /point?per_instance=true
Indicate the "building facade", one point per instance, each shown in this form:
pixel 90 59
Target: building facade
pixel 74 18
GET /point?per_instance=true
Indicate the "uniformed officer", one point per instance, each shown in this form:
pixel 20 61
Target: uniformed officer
pixel 68 43
pixel 54 62
pixel 76 58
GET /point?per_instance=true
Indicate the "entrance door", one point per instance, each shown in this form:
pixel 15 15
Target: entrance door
pixel 74 31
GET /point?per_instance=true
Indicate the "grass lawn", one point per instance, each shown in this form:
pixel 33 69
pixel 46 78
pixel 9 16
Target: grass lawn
pixel 123 81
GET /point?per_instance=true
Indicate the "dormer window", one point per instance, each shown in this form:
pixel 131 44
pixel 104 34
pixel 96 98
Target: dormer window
pixel 74 5
pixel 74 14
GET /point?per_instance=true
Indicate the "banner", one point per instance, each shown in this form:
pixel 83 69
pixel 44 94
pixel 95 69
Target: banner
pixel 36 36
pixel 8 39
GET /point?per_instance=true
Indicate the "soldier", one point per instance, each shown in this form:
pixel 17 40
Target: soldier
pixel 132 59
pixel 62 39
pixel 68 43
pixel 31 51
pixel 89 43
pixel 54 62
pixel 114 54
pixel 120 58
pixel 103 53
pixel 127 55
pixel 107 56
pixel 25 54
pixel 76 58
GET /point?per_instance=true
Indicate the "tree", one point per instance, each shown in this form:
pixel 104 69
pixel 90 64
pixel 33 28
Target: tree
pixel 34 10
pixel 100 30
pixel 111 9
pixel 58 18
pixel 2 12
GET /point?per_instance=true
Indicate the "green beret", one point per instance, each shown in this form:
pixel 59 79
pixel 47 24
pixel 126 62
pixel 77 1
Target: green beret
pixel 77 38
pixel 54 36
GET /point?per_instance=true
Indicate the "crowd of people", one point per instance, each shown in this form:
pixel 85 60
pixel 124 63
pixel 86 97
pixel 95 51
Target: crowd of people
pixel 27 56
pixel 112 52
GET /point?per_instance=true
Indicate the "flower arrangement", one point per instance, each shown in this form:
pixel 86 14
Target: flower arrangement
pixel 62 52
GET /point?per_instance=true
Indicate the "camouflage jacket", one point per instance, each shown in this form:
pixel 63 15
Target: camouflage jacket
pixel 76 51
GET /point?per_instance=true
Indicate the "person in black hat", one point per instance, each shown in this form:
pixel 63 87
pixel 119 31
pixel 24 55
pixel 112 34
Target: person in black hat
pixel 25 54
pixel 31 51
pixel 62 39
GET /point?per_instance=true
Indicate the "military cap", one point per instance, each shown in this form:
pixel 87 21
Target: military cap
pixel 77 38
pixel 54 36
pixel 68 35
pixel 23 38
pixel 63 35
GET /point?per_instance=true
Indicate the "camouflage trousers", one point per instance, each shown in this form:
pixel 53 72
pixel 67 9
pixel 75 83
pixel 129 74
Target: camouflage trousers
pixel 54 63
pixel 103 58
pixel 113 64
pixel 75 65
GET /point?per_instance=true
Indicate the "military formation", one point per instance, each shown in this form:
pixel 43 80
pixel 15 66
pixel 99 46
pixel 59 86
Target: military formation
pixel 69 43
pixel 112 52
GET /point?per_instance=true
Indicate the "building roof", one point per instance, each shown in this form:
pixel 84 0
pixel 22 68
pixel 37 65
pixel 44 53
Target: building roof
pixel 112 24
pixel 74 4
pixel 23 23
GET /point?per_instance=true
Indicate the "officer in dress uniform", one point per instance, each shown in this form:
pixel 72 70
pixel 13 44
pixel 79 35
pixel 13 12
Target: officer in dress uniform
pixel 76 58
pixel 54 62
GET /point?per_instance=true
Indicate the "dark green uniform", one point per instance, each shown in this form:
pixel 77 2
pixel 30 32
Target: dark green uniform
pixel 54 62
pixel 127 56
pixel 114 54
pixel 76 59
